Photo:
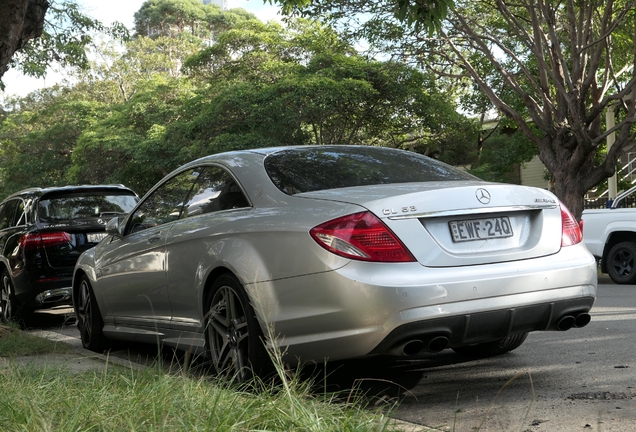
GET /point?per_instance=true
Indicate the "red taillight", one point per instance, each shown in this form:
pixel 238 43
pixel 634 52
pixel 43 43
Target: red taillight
pixel 571 233
pixel 361 236
pixel 46 239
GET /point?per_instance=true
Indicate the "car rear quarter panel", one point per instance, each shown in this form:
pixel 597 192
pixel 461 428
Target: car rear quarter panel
pixel 256 245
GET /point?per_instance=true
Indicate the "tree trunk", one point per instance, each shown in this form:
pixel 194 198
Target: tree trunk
pixel 20 21
pixel 562 157
pixel 568 190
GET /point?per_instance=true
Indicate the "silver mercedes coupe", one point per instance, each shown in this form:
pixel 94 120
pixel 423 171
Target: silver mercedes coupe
pixel 333 252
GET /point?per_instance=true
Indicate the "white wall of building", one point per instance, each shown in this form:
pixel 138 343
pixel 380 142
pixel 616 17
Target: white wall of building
pixel 532 174
pixel 222 3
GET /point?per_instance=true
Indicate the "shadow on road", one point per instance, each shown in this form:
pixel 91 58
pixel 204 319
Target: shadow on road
pixel 376 379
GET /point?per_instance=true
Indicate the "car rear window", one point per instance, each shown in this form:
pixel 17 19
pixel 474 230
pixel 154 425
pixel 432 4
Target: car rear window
pixel 85 205
pixel 310 169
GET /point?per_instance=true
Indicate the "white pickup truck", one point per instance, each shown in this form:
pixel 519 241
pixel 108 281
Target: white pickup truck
pixel 610 235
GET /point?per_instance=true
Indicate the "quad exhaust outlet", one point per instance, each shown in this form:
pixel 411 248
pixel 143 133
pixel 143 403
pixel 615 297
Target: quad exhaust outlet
pixel 416 346
pixel 566 322
pixel 434 343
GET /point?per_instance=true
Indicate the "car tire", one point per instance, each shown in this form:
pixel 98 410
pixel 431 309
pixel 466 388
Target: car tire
pixel 89 319
pixel 234 340
pixel 491 349
pixel 621 263
pixel 12 310
pixel 8 306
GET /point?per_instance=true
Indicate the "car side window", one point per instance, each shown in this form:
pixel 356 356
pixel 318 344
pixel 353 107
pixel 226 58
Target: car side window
pixel 20 215
pixel 2 217
pixel 165 204
pixel 8 214
pixel 215 190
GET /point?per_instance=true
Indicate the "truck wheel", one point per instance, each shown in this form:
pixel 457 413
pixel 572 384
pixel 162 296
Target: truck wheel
pixel 621 261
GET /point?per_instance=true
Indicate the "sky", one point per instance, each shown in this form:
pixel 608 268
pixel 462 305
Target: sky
pixel 123 11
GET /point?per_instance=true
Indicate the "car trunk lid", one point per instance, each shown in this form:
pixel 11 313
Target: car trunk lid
pixel 445 224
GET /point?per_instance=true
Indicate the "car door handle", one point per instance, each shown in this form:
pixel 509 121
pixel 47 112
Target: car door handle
pixel 154 238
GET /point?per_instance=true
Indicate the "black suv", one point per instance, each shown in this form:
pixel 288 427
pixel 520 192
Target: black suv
pixel 42 234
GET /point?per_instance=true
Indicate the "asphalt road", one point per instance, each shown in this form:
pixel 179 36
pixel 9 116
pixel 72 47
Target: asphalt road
pixel 578 380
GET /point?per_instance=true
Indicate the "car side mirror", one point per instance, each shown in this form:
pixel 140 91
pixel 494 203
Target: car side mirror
pixel 115 226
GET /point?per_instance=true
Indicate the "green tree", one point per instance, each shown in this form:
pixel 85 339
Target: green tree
pixel 305 84
pixel 173 17
pixel 257 85
pixel 264 85
pixel 38 139
pixel 129 144
pixel 35 34
pixel 425 15
pixel 552 67
pixel 504 150
pixel 115 76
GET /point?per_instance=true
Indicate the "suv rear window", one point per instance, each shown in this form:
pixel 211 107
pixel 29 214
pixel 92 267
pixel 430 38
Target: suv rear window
pixel 85 205
pixel 301 170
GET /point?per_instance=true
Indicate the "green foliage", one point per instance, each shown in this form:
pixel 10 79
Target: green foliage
pixel 306 85
pixel 135 116
pixel 502 153
pixel 37 140
pixel 67 34
pixel 173 17
pixel 129 145
pixel 424 15
pixel 117 76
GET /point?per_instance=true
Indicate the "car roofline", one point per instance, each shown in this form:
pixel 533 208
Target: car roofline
pixel 69 188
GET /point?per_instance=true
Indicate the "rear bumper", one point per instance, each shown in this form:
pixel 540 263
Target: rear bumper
pixel 467 329
pixel 43 293
pixel 363 309
pixel 54 297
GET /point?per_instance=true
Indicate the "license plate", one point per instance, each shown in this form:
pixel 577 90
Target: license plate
pixel 95 237
pixel 480 229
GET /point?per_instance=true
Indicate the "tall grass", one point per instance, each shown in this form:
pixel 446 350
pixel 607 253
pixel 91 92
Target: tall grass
pixel 118 399
pixel 113 398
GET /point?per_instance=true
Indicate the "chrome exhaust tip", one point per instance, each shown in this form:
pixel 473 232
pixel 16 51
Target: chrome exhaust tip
pixel 582 320
pixel 566 323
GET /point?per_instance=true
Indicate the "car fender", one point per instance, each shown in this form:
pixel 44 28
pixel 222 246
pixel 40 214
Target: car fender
pixel 85 265
pixel 251 268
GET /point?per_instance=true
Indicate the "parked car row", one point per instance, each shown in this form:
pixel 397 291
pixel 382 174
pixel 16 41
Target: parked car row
pixel 323 252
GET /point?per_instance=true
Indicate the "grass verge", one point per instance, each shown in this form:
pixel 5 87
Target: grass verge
pixel 114 399
pixel 15 343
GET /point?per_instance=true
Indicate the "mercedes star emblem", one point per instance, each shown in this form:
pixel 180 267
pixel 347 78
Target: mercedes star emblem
pixel 483 196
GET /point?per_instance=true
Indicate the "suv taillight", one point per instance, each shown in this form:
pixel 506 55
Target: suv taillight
pixel 570 229
pixel 46 239
pixel 361 236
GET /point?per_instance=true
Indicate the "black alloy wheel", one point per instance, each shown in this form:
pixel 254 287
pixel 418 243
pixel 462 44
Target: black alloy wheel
pixel 233 336
pixel 89 319
pixel 7 299
pixel 491 349
pixel 620 263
